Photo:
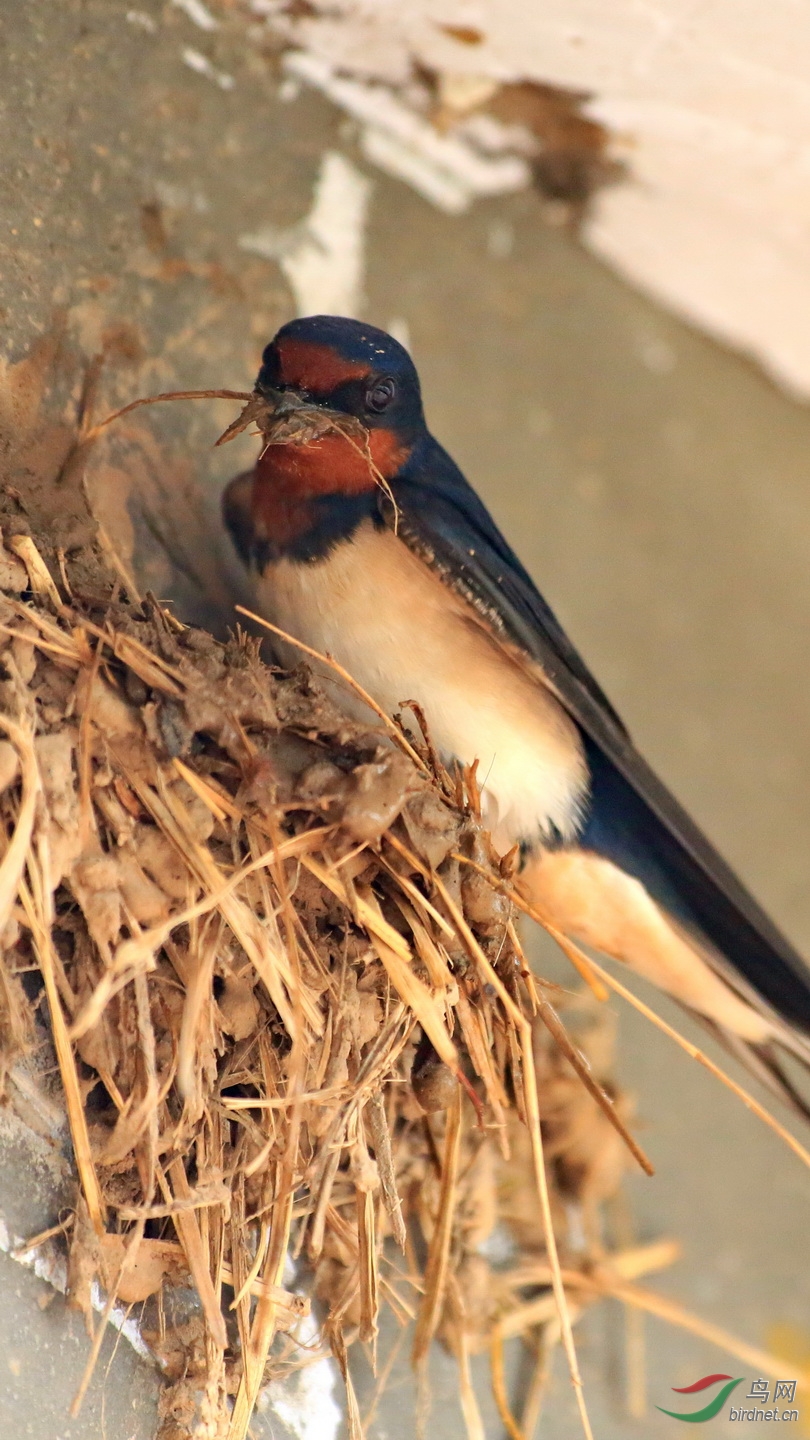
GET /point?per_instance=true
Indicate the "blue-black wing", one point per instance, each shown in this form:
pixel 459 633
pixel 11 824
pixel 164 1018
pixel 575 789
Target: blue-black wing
pixel 632 819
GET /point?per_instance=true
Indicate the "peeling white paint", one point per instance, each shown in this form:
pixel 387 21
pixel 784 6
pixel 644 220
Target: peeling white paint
pixel 447 169
pixel 49 1264
pixel 323 257
pixel 305 1401
pixel 405 162
pixel 710 101
pixel 198 13
pixel 199 62
pixel 142 21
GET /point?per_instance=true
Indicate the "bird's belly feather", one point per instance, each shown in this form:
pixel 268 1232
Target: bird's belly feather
pixel 404 635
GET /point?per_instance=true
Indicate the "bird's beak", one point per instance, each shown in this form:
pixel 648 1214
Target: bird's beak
pixel 286 417
pixel 283 403
pixel 290 418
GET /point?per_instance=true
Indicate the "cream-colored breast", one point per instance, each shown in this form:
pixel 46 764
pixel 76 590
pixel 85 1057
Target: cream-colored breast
pixel 403 635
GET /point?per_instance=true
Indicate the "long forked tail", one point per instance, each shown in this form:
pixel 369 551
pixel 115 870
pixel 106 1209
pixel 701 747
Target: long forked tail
pixel 591 899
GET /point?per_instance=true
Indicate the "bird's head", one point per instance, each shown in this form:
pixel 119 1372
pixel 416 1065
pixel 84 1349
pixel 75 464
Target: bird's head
pixel 328 367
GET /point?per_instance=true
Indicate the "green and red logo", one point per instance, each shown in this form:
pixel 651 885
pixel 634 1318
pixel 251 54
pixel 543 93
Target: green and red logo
pixel 715 1405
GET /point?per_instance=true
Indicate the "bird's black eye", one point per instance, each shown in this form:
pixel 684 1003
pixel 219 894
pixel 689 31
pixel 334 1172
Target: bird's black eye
pixel 380 394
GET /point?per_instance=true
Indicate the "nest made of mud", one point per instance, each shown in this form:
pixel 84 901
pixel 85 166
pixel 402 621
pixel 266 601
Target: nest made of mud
pixel 276 959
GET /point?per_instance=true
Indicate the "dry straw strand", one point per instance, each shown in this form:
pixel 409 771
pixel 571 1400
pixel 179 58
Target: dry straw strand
pixel 696 1053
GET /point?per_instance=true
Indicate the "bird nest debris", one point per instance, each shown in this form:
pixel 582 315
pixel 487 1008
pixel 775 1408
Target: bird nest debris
pixel 277 962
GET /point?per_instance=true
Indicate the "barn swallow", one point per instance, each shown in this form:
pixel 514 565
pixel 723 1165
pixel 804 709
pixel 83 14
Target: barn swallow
pixel 369 544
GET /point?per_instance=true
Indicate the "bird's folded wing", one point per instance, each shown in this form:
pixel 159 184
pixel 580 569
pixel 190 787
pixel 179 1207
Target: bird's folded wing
pixel 448 526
